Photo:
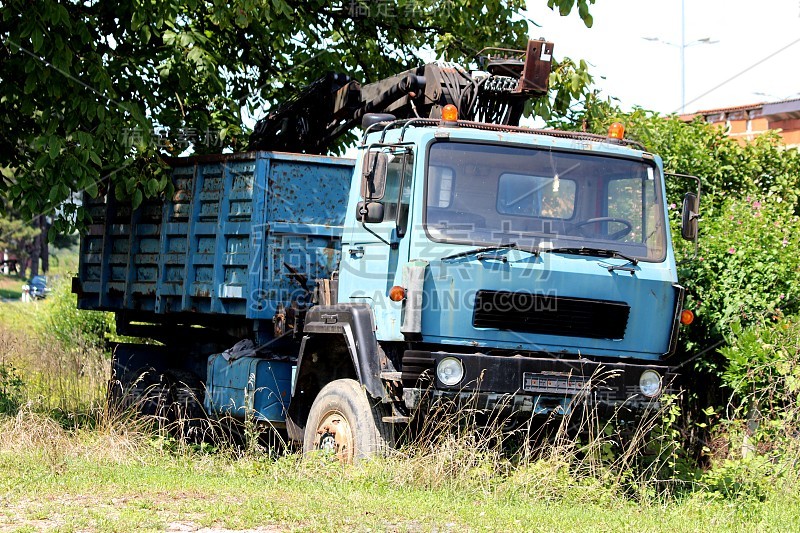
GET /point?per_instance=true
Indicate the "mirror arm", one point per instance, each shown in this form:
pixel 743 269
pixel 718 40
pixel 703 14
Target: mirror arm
pixel 384 241
pixel 364 225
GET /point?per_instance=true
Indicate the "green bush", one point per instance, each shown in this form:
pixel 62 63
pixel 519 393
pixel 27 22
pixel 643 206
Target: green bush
pixel 748 268
pixel 745 280
pixel 73 327
pixel 11 386
pixel 763 364
pixel 762 372
pixel 748 478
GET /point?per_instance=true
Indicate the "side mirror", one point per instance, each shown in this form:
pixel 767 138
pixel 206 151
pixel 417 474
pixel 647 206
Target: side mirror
pixel 689 216
pixel 373 184
pixel 371 212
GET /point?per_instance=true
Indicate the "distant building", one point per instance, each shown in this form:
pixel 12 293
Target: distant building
pixel 745 122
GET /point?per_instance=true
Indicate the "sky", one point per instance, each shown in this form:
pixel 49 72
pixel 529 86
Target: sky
pixel 638 72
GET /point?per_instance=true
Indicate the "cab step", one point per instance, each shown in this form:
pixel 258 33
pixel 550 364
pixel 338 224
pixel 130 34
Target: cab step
pixel 396 419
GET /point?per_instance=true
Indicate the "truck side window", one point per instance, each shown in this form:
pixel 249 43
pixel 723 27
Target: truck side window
pixel 397 198
pixel 626 199
pixel 440 186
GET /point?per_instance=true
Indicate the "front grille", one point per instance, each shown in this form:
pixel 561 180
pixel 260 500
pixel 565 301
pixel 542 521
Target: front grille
pixel 550 315
pixel 417 369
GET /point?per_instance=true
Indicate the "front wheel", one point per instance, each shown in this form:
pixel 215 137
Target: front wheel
pixel 343 423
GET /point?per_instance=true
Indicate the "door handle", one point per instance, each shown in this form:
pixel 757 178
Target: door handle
pixel 357 252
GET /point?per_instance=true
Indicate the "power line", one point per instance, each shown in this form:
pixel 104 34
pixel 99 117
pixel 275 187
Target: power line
pixel 751 67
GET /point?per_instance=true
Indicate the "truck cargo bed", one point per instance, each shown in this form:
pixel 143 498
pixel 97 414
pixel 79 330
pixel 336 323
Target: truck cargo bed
pixel 230 240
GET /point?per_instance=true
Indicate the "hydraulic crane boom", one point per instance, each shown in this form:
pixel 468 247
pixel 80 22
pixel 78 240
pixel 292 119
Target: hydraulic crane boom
pixel 311 121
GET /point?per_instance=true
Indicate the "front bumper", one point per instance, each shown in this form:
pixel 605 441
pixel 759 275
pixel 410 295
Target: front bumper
pixel 535 385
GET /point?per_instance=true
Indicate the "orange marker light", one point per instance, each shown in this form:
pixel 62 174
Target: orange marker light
pixel 450 113
pixel 616 131
pixel 687 317
pixel 397 293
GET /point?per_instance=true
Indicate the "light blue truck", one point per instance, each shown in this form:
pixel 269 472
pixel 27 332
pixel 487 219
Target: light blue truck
pixel 525 269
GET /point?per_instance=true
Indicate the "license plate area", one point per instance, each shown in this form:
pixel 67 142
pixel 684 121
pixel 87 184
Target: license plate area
pixel 550 383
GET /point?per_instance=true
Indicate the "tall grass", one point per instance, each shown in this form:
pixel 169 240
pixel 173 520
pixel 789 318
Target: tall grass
pixel 59 352
pixel 71 380
pixel 578 455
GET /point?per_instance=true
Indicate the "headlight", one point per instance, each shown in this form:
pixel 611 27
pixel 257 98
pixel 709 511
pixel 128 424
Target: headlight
pixel 450 371
pixel 650 383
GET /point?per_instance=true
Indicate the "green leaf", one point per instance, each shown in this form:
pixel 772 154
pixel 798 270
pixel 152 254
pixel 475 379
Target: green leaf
pixel 152 187
pixel 136 200
pixel 41 162
pixel 37 39
pixel 56 143
pixel 91 189
pixel 279 48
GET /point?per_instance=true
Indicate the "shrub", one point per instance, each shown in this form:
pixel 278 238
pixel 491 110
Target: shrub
pixel 71 326
pixel 11 386
pixel 748 268
pixel 749 478
pixel 763 375
pixel 59 350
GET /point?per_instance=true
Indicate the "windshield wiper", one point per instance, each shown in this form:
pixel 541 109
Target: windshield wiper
pixel 602 252
pixel 468 253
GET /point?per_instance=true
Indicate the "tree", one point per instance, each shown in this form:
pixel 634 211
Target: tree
pixel 93 93
pixel 19 239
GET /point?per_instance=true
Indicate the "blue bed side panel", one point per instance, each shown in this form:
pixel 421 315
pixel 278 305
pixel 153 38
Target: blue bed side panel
pixel 227 240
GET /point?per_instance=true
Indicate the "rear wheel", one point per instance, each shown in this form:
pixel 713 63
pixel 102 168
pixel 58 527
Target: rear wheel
pixel 173 399
pixel 344 424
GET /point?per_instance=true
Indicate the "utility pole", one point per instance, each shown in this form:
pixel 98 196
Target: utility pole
pixel 682 47
pixel 683 56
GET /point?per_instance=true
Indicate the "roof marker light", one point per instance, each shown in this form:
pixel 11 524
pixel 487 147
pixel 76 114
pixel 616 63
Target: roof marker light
pixel 449 113
pixel 616 131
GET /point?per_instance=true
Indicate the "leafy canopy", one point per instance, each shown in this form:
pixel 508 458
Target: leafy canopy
pixel 93 93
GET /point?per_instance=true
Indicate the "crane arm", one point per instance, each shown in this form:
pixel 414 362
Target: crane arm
pixel 312 120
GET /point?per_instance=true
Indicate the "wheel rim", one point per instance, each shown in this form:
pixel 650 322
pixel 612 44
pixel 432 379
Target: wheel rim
pixel 334 436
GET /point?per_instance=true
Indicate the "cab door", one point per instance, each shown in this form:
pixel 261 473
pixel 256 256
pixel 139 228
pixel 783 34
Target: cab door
pixel 375 245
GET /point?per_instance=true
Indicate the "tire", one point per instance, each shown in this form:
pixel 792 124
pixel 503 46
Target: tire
pixel 173 399
pixel 343 423
pixel 144 391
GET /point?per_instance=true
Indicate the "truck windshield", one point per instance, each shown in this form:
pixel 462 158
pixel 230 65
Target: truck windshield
pixel 481 194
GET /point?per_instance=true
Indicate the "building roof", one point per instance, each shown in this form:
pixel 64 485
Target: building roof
pixel 787 109
pixel 784 109
pixel 686 117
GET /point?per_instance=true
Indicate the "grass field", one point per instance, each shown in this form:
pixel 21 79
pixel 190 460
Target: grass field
pixel 11 286
pixel 66 465
pixel 108 481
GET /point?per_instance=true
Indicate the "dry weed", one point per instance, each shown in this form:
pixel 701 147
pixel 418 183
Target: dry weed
pixel 71 380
